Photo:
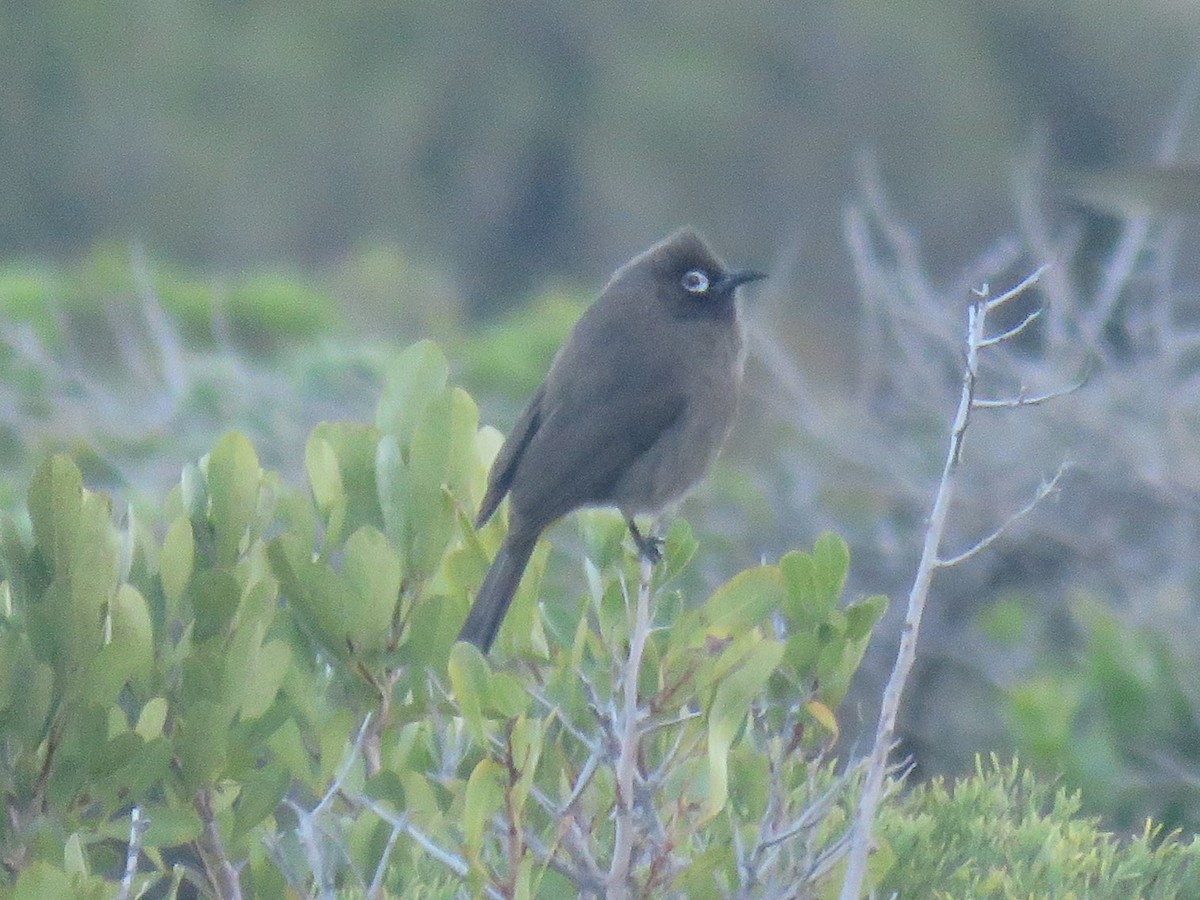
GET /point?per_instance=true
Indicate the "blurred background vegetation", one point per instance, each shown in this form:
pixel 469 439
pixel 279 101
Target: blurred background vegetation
pixel 222 214
pixel 518 144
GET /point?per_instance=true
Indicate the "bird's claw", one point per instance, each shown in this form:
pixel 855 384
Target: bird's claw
pixel 649 546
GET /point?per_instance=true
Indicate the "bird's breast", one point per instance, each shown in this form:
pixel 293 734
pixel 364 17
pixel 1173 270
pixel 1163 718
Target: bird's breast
pixel 708 377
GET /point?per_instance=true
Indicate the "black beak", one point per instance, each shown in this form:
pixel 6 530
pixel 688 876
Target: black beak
pixel 733 280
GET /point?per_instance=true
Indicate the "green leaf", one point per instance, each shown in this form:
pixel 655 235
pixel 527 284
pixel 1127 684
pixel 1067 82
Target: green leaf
pixel 152 718
pixel 679 549
pixel 862 615
pixel 743 602
pixel 730 704
pixel 260 598
pixel 469 676
pixel 506 695
pixel 354 445
pixel 261 794
pixel 288 747
pixel 92 579
pixel 233 475
pixel 73 859
pixel 215 595
pixel 25 574
pixel 603 531
pixel 29 717
pixel 132 632
pixel 201 743
pixel 417 376
pixel 483 797
pixel 138 769
pixel 441 462
pixel 193 493
pixel 386 787
pixel 294 515
pixel 40 880
pixel 372 574
pixel 419 798
pixel 324 476
pixel 55 496
pixel 177 560
pixel 432 627
pixel 803 602
pixel 392 483
pixel 316 592
pixel 15 658
pixel 467 563
pixel 526 739
pixel 270 668
pixel 129 656
pixel 831 563
pixel 749 781
pixel 170 826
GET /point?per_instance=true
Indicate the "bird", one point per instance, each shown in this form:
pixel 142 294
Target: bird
pixel 1128 191
pixel 632 412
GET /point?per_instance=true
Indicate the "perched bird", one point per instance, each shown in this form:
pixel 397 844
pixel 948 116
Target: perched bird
pixel 1128 191
pixel 633 411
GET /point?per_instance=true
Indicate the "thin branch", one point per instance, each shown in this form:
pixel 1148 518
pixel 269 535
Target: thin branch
pixel 451 861
pixel 376 888
pixel 666 767
pixel 582 781
pixel 1022 400
pixel 566 724
pixel 873 785
pixel 222 873
pixel 1020 288
pixel 669 723
pixel 344 768
pixel 137 827
pixel 592 881
pixel 308 821
pixel 617 882
pixel 811 815
pixel 1044 490
pixel 1014 331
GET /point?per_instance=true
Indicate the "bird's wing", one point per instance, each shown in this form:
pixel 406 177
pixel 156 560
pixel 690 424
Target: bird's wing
pixel 501 475
pixel 588 437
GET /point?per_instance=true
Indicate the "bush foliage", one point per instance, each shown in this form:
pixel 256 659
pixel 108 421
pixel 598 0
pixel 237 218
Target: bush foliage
pixel 257 691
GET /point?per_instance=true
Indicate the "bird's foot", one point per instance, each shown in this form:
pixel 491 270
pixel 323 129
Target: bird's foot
pixel 649 546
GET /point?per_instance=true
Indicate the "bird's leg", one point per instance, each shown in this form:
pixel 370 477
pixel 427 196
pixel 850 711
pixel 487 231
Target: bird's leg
pixel 649 545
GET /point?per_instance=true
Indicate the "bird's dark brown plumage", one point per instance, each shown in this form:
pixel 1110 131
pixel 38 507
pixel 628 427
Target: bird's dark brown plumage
pixel 632 413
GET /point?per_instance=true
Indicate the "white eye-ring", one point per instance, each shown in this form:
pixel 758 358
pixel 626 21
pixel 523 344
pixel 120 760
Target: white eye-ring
pixel 695 281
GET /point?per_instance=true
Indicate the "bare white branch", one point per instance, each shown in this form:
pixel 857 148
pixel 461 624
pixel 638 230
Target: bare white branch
pixel 630 737
pixel 375 890
pixel 451 861
pixel 873 785
pixel 1021 287
pixel 137 827
pixel 1014 331
pixel 1044 490
pixel 1026 400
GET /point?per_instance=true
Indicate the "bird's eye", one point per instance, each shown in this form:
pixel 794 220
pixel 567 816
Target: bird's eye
pixel 695 281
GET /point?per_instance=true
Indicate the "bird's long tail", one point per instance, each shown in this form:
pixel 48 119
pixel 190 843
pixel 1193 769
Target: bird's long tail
pixel 497 590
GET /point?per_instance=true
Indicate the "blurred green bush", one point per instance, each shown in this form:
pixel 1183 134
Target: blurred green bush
pixel 1112 707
